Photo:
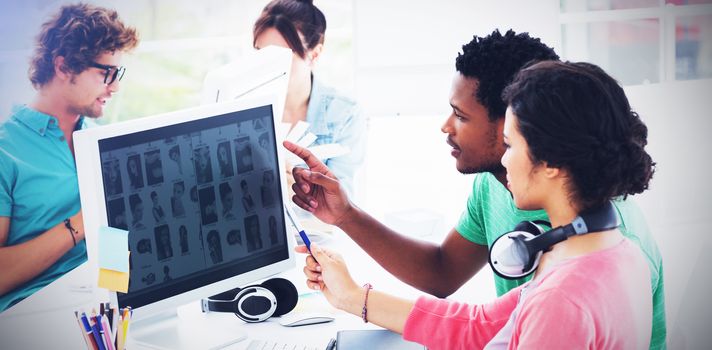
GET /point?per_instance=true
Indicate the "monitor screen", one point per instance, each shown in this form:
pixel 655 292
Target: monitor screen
pixel 199 199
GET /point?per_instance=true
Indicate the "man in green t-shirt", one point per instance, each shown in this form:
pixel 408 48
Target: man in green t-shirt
pixel 474 130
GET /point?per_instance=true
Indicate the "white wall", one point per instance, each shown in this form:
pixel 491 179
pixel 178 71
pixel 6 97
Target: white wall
pixel 677 205
pixel 405 50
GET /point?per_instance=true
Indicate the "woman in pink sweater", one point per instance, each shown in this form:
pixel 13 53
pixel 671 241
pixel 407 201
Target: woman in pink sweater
pixel 573 144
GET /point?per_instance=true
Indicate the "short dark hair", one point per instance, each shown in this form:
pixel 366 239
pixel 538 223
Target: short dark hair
pixel 79 33
pixel 291 18
pixel 494 60
pixel 576 117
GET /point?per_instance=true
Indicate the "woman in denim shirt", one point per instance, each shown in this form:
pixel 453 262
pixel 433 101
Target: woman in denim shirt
pixel 332 117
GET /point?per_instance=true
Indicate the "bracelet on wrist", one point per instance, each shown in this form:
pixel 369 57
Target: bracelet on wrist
pixel 72 231
pixel 364 311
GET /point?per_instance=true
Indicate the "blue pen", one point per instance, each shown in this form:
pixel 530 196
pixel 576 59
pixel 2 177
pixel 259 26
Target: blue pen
pixel 302 234
pixel 97 334
pixel 90 333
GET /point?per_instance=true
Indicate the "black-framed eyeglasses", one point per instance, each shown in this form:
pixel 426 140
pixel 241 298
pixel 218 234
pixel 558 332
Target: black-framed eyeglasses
pixel 111 74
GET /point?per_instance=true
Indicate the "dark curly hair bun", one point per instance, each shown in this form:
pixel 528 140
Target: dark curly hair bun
pixel 576 117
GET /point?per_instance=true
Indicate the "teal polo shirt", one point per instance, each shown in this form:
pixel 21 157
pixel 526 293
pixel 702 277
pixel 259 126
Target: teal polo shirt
pixel 38 189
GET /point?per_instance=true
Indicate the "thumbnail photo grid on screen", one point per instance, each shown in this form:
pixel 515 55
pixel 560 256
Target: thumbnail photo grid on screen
pixel 194 201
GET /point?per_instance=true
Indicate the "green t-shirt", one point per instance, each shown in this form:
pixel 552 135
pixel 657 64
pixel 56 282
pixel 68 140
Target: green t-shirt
pixel 491 212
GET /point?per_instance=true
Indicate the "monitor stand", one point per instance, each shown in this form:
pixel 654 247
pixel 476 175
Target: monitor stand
pixel 168 331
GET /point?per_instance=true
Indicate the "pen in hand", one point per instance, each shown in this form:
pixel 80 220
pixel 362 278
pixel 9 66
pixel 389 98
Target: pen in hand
pixel 302 234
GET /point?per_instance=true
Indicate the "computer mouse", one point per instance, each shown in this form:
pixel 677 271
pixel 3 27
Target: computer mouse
pixel 302 319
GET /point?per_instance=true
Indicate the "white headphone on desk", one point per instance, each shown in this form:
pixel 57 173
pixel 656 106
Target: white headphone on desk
pixel 256 303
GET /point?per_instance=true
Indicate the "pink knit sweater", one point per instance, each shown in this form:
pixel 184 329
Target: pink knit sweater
pixel 596 301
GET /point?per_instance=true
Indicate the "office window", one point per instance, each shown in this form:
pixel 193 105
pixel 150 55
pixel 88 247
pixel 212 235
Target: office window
pixel 602 5
pixel 159 81
pixel 693 47
pixel 687 2
pixel 181 40
pixel 640 41
pixel 629 50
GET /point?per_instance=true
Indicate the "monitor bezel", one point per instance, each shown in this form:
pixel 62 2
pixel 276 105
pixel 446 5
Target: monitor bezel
pixel 88 161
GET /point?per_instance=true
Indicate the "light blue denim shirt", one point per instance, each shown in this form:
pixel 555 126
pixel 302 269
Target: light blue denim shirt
pixel 334 118
pixel 38 189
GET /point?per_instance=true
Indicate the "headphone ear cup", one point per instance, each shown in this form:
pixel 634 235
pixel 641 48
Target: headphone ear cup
pixel 285 292
pixel 255 304
pixel 508 255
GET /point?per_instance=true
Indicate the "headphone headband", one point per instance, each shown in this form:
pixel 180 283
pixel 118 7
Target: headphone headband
pixel 223 302
pixel 598 219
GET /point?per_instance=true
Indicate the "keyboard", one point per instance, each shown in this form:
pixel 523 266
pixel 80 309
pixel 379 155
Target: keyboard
pixel 271 345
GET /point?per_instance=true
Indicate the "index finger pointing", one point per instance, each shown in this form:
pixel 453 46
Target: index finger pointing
pixel 308 157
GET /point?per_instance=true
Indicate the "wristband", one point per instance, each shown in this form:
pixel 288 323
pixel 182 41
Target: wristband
pixel 72 231
pixel 364 311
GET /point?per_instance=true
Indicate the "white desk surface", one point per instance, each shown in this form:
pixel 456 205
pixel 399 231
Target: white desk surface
pixel 45 320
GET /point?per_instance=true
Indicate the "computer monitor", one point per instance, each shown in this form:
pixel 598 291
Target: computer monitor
pixel 252 74
pixel 200 192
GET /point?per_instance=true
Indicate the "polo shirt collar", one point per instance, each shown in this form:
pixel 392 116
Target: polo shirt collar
pixel 38 121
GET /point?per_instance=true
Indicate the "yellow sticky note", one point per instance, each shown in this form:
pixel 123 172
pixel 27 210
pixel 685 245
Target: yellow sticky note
pixel 114 280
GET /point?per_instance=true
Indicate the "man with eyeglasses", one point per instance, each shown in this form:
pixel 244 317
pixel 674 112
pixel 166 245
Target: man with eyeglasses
pixel 76 68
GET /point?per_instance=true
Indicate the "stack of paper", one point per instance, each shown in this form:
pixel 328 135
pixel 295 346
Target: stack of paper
pixel 302 137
